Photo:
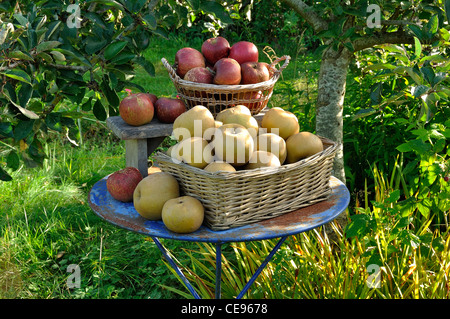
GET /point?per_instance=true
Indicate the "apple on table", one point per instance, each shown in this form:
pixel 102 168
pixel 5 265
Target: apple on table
pixel 122 183
pixel 168 109
pixel 137 109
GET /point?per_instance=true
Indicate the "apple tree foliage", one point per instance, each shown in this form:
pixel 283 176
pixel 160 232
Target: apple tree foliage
pixel 83 53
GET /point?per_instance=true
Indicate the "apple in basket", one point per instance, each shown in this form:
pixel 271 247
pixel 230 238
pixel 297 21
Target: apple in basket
pixel 188 58
pixel 228 72
pixel 200 75
pixel 254 72
pixel 244 51
pixel 233 144
pixel 281 122
pixel 167 109
pixel 215 49
pixel 136 109
pixel 302 145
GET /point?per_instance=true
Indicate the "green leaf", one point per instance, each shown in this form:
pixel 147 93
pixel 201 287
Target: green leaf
pixel 99 111
pixel 447 10
pixel 433 25
pixel 46 46
pixel 357 226
pixel 123 58
pixel 419 90
pixel 147 65
pixel 17 74
pixel 417 47
pixel 20 55
pixel 109 93
pixel 217 9
pixel 53 121
pixel 6 129
pixel 12 160
pixel 24 95
pixel 393 197
pixel 4 176
pixel 23 129
pixel 113 49
pixel 416 30
pixel 405 147
pixel 150 20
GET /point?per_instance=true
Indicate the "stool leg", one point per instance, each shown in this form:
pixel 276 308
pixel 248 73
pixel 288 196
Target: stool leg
pixel 261 267
pixel 136 155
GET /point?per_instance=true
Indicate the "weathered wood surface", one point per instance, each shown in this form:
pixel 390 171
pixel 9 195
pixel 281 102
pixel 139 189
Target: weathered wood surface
pixel 125 131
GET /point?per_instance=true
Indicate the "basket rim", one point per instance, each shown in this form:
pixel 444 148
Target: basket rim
pixel 257 172
pixel 219 87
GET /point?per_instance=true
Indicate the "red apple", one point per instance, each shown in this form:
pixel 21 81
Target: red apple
pixel 254 72
pixel 188 58
pixel 215 49
pixel 167 109
pixel 121 184
pixel 244 51
pixel 199 75
pixel 228 72
pixel 136 109
pixel 255 95
pixel 152 97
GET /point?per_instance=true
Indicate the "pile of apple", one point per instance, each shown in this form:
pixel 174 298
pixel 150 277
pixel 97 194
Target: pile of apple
pixel 157 197
pixel 220 63
pixel 234 140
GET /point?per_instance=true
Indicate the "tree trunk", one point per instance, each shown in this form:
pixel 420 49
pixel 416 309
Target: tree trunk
pixel 329 108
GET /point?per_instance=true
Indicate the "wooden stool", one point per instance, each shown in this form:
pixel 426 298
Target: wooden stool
pixel 140 141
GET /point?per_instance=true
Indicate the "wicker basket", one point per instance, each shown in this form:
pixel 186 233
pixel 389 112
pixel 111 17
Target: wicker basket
pixel 247 196
pixel 219 97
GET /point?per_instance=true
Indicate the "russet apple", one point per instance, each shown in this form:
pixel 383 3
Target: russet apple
pixel 232 110
pixel 121 184
pixel 254 72
pixel 281 122
pixel 260 159
pixel 233 144
pixel 244 51
pixel 272 143
pixel 214 49
pixel 195 151
pixel 219 166
pixel 228 72
pixel 186 59
pixel 196 121
pixel 168 109
pixel 183 215
pixel 152 192
pixel 302 145
pixel 247 121
pixel 136 109
pixel 199 75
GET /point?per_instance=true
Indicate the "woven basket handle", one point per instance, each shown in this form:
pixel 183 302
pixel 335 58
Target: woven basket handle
pixel 286 59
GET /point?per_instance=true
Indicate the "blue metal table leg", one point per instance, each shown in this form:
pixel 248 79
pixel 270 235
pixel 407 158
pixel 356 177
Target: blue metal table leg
pixel 261 267
pixel 175 267
pixel 218 269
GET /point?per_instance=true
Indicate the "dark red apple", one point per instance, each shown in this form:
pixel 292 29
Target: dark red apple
pixel 215 49
pixel 121 184
pixel 254 72
pixel 252 96
pixel 199 75
pixel 188 58
pixel 152 97
pixel 167 109
pixel 136 109
pixel 228 72
pixel 244 51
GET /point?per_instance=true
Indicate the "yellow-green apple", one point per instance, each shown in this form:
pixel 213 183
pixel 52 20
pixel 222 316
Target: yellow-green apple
pixel 244 51
pixel 218 123
pixel 233 144
pixel 219 166
pixel 194 122
pixel 168 109
pixel 242 109
pixel 195 151
pixel 186 59
pixel 302 145
pixel 228 72
pixel 121 184
pixel 254 72
pixel 247 121
pixel 153 192
pixel 261 159
pixel 199 75
pixel 281 122
pixel 136 109
pixel 174 153
pixel 183 215
pixel 214 49
pixel 272 143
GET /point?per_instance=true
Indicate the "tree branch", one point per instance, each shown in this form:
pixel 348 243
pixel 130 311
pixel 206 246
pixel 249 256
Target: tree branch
pixel 399 37
pixel 307 13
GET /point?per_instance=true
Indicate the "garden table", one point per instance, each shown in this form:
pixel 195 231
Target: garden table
pixel 125 216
